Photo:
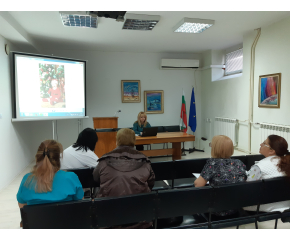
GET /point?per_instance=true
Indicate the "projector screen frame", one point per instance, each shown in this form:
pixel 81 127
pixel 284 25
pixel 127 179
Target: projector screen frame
pixel 13 86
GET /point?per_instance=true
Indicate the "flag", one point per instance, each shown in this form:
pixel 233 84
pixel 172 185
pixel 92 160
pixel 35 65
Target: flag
pixel 192 113
pixel 183 116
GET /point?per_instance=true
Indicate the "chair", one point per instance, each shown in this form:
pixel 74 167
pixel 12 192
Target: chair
pixel 174 128
pixel 64 215
pixel 275 190
pixel 183 170
pixel 184 202
pixel 85 176
pixel 252 159
pixel 235 196
pixel 243 158
pixel 163 171
pixel 110 212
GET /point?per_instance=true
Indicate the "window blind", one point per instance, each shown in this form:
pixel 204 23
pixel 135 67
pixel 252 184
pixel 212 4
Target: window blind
pixel 234 62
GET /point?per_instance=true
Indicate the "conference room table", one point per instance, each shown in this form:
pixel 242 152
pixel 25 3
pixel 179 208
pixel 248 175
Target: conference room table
pixel 176 138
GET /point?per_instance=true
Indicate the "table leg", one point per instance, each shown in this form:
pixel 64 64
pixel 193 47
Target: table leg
pixel 176 155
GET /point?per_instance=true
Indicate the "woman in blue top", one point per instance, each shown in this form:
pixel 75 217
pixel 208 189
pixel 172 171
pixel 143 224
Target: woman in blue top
pixel 47 183
pixel 139 125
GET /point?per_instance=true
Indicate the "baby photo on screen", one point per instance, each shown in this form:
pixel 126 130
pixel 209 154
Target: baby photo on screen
pixel 52 85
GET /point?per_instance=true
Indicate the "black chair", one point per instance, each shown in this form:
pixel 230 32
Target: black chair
pixel 183 170
pixel 85 176
pixel 160 128
pixel 65 215
pixel 163 171
pixel 252 159
pixel 275 190
pixel 174 128
pixel 110 212
pixel 184 202
pixel 243 158
pixel 235 196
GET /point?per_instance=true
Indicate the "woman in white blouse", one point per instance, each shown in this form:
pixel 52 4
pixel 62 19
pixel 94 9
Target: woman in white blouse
pixel 276 164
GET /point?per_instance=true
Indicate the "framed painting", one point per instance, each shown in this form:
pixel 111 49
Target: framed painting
pixel 270 90
pixel 154 101
pixel 131 91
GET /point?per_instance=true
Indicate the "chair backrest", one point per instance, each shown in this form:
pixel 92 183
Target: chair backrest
pixel 124 210
pixel 179 202
pixel 184 168
pixel 163 170
pixel 276 190
pixel 65 215
pixel 160 128
pixel 243 158
pixel 238 195
pixel 252 159
pixel 174 128
pixel 85 176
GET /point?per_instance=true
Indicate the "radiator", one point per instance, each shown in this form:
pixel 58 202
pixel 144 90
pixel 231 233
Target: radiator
pixel 267 129
pixel 227 127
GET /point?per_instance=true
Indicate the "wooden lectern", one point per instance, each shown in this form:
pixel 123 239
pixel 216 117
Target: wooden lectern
pixel 106 140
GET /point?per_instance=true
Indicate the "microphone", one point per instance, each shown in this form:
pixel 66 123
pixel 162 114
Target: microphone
pixel 117 112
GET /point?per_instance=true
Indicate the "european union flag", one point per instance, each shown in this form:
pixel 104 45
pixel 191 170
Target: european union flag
pixel 192 113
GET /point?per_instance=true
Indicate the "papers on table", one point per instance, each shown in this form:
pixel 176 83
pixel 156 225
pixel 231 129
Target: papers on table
pixel 197 176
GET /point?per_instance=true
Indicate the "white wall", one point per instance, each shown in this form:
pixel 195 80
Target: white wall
pixel 230 97
pixel 105 70
pixel 15 145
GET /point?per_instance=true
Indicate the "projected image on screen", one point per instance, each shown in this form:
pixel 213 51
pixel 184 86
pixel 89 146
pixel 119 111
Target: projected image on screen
pixel 48 87
pixel 52 85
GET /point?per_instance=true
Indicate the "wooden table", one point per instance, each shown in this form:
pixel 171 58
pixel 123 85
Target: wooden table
pixel 176 138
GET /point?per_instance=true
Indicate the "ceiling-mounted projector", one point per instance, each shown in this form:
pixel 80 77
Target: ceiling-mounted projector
pixel 118 15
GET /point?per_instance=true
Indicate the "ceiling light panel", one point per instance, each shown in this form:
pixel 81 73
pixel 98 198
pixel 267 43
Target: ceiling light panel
pixel 81 19
pixel 140 22
pixel 193 25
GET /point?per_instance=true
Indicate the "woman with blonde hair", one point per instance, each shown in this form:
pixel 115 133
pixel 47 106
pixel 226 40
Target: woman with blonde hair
pixel 139 125
pixel 124 171
pixel 220 169
pixel 46 183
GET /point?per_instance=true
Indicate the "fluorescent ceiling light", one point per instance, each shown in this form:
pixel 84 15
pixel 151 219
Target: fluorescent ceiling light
pixel 79 19
pixel 193 25
pixel 140 21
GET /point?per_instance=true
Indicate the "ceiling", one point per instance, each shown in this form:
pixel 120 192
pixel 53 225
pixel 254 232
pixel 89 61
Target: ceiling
pixel 36 30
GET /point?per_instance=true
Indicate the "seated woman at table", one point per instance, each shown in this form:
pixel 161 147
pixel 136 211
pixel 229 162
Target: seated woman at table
pixel 220 169
pixel 124 171
pixel 275 164
pixel 139 125
pixel 81 153
pixel 46 183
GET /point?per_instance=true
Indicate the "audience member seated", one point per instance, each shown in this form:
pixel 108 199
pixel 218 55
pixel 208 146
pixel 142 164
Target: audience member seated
pixel 124 171
pixel 221 169
pixel 139 125
pixel 46 183
pixel 81 154
pixel 275 164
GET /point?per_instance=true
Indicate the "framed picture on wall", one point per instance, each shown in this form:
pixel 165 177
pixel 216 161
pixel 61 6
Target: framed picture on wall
pixel 154 101
pixel 131 91
pixel 269 90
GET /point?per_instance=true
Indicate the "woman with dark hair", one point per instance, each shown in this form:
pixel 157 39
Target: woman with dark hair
pixel 46 183
pixel 276 164
pixel 81 154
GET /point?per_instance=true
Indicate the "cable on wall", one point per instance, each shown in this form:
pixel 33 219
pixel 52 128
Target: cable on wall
pixel 251 96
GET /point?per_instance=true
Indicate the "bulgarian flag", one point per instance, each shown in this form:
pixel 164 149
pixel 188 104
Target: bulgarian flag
pixel 183 116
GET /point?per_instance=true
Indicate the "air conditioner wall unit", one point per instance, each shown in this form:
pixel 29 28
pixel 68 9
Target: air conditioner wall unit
pixel 179 63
